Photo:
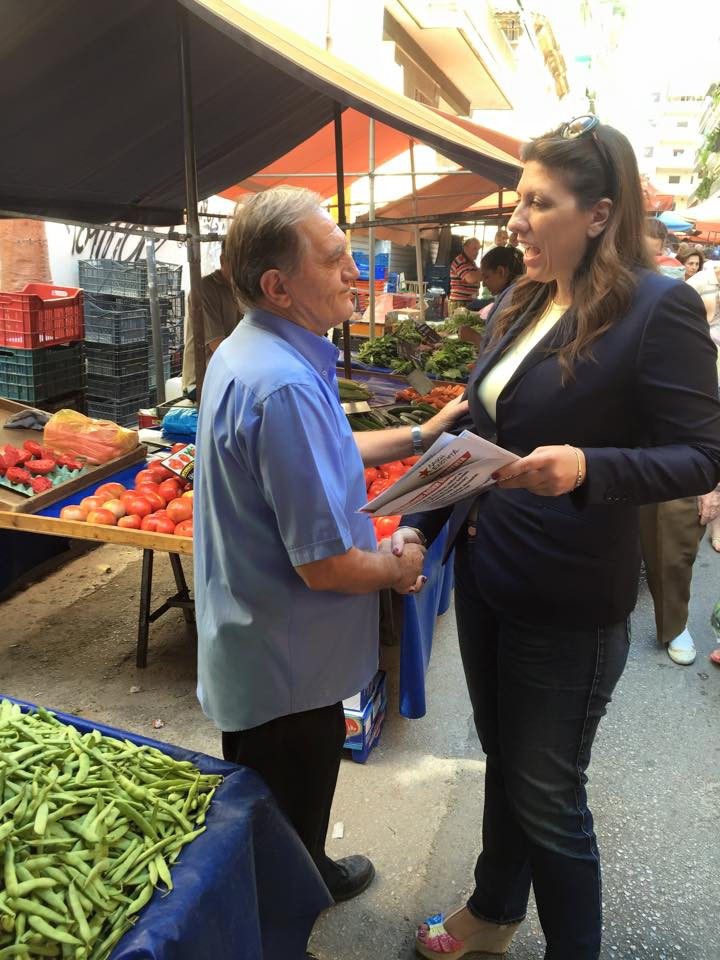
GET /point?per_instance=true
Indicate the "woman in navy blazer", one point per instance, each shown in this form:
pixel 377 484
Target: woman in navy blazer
pixel 600 374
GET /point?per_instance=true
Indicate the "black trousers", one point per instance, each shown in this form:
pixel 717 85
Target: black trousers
pixel 298 757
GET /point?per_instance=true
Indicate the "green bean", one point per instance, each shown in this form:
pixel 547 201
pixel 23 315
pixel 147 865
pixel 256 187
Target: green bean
pixel 33 908
pixel 140 900
pixel 9 870
pixel 37 883
pixel 78 913
pixel 41 818
pixel 52 933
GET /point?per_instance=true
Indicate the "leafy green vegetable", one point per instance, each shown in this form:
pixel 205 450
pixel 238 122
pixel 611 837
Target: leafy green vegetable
pixel 450 360
pixel 464 318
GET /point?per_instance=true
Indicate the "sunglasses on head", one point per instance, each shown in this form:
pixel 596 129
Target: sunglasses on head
pixel 585 126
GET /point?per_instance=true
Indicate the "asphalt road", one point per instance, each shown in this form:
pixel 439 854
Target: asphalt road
pixel 654 791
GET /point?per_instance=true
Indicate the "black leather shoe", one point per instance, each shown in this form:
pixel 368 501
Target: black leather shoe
pixel 351 877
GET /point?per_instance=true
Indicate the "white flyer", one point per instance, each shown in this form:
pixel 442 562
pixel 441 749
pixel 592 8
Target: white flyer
pixel 452 469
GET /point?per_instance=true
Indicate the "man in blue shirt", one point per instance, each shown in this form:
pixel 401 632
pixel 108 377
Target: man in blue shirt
pixel 286 569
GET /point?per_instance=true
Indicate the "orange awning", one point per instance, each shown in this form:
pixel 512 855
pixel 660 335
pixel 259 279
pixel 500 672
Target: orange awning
pixel 317 155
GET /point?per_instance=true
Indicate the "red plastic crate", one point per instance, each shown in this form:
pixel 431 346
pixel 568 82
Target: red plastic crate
pixel 40 315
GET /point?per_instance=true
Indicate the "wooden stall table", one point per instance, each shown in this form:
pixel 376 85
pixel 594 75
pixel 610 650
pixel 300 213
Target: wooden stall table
pixel 148 542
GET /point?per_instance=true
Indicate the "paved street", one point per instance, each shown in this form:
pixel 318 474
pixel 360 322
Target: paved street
pixel 654 790
pixel 68 641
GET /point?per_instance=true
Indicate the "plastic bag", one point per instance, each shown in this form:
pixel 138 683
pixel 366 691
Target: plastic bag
pixel 180 422
pixel 98 441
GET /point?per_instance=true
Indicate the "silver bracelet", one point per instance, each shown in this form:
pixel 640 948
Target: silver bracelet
pixel 418 446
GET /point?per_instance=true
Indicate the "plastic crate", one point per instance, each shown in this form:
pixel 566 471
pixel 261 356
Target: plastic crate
pixel 33 376
pixel 108 360
pixel 40 315
pixel 128 279
pixel 117 388
pixel 105 323
pixel 122 412
pixel 68 401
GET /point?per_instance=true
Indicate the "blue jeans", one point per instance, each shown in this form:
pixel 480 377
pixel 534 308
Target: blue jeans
pixel 538 693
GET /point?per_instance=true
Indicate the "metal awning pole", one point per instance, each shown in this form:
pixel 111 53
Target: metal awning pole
pixel 340 180
pixel 418 244
pixel 371 232
pixel 197 321
pixel 156 327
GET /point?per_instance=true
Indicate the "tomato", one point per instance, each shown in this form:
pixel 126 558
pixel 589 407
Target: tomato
pixel 130 522
pixel 180 509
pixel 378 487
pixel 188 494
pixel 411 461
pixel 147 485
pixel 116 507
pixel 74 512
pixel 138 505
pixel 156 524
pixel 40 466
pixel 144 476
pixel 104 517
pixel 169 489
pixel 160 472
pixel 114 489
pixel 156 501
pixel 92 503
pixel 371 474
pixel 177 446
pixel 386 526
pixel 184 529
pixel 394 473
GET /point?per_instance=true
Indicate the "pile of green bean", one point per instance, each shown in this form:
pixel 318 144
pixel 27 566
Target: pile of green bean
pixel 89 826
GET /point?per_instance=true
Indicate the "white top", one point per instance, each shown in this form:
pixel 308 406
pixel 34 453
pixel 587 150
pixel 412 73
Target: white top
pixel 493 384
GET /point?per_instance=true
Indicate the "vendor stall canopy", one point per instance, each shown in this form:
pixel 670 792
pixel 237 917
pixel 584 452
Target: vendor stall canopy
pixel 90 100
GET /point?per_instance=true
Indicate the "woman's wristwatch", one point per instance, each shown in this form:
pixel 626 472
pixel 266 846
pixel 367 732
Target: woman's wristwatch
pixel 418 446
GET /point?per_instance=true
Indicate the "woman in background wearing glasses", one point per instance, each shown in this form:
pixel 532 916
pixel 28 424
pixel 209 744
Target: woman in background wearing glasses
pixel 600 374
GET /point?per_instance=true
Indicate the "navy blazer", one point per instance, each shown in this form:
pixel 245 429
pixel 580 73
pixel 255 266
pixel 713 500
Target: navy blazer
pixel 644 409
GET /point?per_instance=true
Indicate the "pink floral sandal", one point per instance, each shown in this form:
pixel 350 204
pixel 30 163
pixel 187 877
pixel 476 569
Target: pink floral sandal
pixel 434 941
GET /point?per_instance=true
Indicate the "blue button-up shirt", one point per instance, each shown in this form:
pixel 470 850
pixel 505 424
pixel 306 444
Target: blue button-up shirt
pixel 278 481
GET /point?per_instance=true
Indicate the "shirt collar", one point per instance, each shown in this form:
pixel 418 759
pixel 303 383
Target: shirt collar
pixel 317 350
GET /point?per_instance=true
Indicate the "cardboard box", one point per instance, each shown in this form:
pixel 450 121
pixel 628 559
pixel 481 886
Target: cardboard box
pixel 359 701
pixel 362 727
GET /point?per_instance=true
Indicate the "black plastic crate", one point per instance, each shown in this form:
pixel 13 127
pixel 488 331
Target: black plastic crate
pixel 107 321
pixel 68 401
pixel 109 360
pixel 33 376
pixel 117 388
pixel 128 279
pixel 123 412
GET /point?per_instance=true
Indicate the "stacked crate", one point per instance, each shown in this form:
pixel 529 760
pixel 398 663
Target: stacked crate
pixel 41 350
pixel 118 334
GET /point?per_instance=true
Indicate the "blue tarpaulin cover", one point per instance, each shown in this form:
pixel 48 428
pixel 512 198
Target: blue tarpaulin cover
pixel 419 614
pixel 246 889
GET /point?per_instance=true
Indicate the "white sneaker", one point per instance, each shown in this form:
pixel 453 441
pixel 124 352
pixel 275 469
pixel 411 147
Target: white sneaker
pixel 682 649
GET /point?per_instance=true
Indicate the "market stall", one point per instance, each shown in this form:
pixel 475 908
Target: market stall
pixel 224 894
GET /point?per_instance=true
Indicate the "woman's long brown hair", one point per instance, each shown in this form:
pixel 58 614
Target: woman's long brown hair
pixel 605 280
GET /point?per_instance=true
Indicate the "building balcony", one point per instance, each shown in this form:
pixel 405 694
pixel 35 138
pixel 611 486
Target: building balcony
pixel 463 50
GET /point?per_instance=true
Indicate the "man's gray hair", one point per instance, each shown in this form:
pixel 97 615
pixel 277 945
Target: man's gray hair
pixel 263 236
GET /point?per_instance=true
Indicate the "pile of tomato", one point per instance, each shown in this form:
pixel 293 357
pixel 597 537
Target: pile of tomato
pixel 377 480
pixel 160 502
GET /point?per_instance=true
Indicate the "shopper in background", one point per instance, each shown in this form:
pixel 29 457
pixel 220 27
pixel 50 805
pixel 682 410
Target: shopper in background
pixel 656 234
pixel 221 314
pixel 500 267
pixel 501 237
pixel 692 260
pixel 600 375
pixel 671 531
pixel 287 571
pixel 465 276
